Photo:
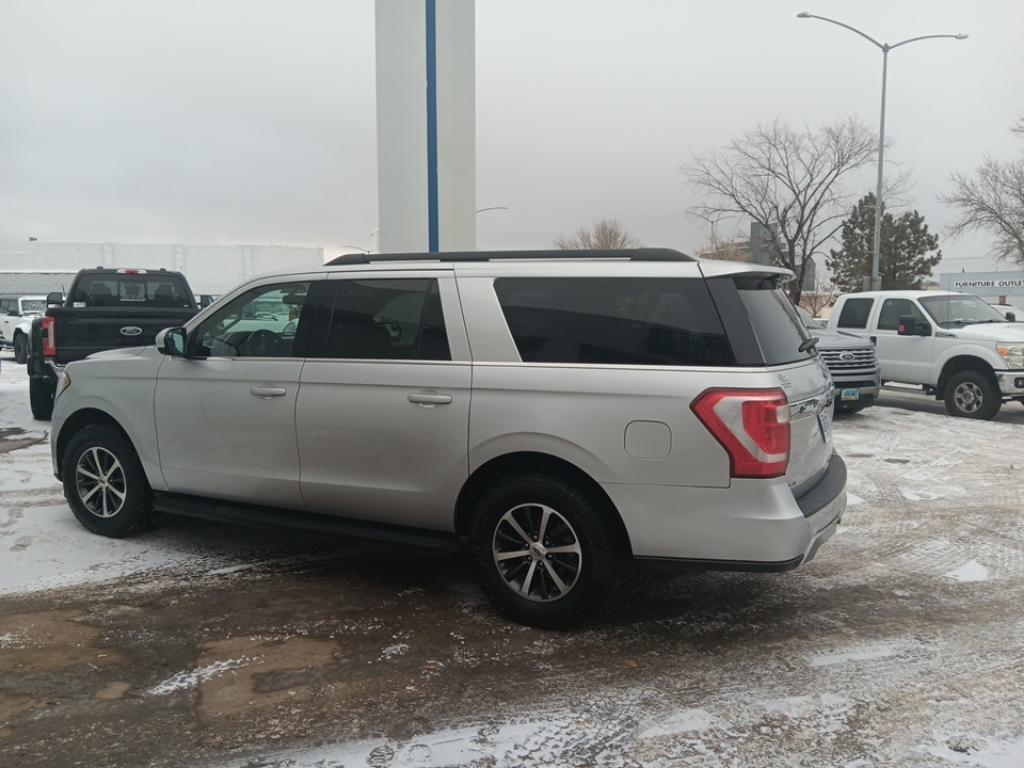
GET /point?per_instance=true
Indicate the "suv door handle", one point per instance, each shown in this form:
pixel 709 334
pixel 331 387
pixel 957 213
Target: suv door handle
pixel 268 392
pixel 429 398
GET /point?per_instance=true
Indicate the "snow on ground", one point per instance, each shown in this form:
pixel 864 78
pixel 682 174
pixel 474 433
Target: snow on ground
pixel 14 412
pixel 970 571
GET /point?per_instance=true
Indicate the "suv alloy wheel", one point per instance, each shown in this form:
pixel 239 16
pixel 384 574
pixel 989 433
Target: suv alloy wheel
pixel 544 552
pixel 104 482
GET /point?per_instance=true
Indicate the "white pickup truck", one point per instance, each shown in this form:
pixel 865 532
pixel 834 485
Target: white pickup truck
pixel 16 315
pixel 955 345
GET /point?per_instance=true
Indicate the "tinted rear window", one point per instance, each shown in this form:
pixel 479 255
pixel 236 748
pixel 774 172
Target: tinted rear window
pixel 776 325
pixel 855 313
pixel 613 321
pixel 387 319
pixel 151 289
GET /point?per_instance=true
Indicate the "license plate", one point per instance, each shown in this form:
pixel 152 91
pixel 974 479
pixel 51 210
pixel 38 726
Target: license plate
pixel 849 394
pixel 825 424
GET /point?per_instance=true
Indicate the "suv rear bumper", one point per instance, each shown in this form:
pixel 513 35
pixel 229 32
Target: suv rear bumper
pixel 754 525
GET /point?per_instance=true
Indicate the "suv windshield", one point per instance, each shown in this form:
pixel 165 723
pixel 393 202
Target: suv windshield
pixel 958 311
pixel 779 330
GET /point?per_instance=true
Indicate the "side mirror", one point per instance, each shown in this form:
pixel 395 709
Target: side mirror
pixel 910 326
pixel 1011 317
pixel 171 341
pixel 54 298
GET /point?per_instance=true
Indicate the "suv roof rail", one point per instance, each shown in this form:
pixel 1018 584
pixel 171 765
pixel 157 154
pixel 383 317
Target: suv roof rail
pixel 635 254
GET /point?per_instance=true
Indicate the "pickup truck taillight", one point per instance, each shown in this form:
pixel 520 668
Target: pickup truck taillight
pixel 49 339
pixel 753 427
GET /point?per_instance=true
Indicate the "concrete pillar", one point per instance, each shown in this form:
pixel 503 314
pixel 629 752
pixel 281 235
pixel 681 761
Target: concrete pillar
pixel 426 125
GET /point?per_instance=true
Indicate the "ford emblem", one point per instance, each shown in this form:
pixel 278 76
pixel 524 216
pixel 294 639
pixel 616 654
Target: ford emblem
pixel 131 330
pixel 847 356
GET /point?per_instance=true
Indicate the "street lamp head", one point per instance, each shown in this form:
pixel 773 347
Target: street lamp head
pixel 803 15
pixel 961 36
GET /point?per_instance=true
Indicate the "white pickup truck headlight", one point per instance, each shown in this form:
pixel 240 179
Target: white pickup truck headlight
pixel 1012 353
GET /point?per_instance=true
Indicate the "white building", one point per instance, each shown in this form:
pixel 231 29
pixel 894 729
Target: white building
pixel 996 287
pixel 210 269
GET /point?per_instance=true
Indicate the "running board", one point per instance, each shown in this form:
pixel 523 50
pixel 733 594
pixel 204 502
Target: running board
pixel 307 522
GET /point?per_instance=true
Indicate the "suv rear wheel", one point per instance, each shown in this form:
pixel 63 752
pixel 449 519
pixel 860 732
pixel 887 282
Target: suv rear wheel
pixel 104 482
pixel 972 395
pixel 544 552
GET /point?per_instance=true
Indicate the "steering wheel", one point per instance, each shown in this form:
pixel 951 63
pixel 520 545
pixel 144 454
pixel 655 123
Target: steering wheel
pixel 262 343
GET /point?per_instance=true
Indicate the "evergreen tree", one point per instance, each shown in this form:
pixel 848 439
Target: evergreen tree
pixel 907 255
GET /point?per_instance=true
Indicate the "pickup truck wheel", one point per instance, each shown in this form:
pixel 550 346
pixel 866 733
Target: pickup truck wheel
pixel 544 552
pixel 972 395
pixel 40 398
pixel 104 482
pixel 20 349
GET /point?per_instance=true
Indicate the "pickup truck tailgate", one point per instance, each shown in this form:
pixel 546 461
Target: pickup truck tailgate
pixel 80 331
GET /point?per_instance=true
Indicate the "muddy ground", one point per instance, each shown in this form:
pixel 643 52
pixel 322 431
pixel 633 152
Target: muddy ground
pixel 203 645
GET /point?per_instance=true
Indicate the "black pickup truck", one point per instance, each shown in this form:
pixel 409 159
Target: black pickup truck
pixel 105 308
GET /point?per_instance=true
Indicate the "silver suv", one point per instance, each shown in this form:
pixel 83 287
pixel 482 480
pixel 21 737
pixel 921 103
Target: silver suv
pixel 555 412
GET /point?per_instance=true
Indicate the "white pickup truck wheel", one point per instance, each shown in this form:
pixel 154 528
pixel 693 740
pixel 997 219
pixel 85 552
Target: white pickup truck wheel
pixel 972 395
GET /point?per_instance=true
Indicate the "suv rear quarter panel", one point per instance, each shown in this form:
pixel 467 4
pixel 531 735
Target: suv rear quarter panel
pixel 581 412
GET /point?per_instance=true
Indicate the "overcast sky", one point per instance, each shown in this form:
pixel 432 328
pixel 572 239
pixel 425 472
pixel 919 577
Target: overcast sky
pixel 242 121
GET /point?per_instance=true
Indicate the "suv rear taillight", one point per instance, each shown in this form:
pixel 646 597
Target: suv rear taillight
pixel 49 339
pixel 753 427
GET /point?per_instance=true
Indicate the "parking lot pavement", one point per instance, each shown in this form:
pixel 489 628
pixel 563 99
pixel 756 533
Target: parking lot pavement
pixel 203 645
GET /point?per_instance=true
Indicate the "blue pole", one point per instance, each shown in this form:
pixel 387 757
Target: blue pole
pixel 432 214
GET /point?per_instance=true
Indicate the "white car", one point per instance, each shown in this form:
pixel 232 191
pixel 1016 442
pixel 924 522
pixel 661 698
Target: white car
pixel 955 345
pixel 16 317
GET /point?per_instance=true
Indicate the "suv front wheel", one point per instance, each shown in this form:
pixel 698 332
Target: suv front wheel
pixel 104 482
pixel 544 552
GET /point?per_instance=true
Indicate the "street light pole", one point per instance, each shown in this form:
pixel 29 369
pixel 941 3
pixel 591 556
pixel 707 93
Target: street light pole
pixel 876 278
pixel 876 248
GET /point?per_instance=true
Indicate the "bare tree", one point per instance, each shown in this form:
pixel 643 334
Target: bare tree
pixel 789 181
pixel 606 235
pixel 824 295
pixel 992 200
pixel 717 247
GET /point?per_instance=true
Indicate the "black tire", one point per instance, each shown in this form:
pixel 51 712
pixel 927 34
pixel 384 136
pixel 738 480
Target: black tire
pixel 21 349
pixel 972 395
pixel 595 566
pixel 133 513
pixel 40 397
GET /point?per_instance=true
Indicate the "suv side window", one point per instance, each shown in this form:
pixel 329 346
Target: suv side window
pixel 855 313
pixel 894 309
pixel 613 321
pixel 384 319
pixel 263 322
